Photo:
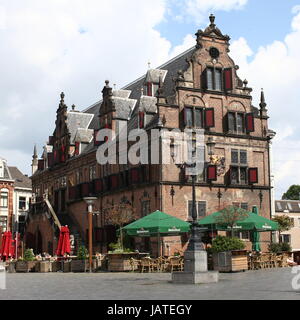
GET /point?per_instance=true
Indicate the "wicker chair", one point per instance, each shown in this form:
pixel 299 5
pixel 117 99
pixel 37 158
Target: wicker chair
pixel 175 264
pixel 135 264
pixel 146 264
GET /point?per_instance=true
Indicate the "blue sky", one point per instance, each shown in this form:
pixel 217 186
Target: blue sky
pixel 73 46
pixel 261 21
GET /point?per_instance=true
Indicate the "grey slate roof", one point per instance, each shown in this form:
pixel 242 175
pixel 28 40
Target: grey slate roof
pixel 76 120
pixel 84 135
pixel 287 205
pixel 21 181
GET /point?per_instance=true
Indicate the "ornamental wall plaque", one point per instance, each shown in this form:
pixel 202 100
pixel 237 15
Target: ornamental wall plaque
pixel 220 162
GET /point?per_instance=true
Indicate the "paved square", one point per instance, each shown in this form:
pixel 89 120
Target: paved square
pixel 259 285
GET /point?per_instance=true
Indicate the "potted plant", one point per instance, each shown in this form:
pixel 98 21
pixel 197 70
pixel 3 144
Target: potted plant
pixel 229 254
pixel 80 264
pixel 119 258
pixel 27 264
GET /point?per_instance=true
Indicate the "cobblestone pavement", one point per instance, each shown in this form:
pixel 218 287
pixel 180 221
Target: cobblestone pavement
pixel 271 284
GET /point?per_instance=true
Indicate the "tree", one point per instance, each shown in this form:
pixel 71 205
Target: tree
pixel 230 216
pixel 293 193
pixel 285 224
pixel 119 215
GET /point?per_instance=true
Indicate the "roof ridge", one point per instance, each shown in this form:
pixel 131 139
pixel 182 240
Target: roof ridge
pixel 141 77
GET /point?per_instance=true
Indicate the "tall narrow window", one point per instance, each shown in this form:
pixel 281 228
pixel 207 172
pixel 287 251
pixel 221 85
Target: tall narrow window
pixel 189 117
pixel 218 79
pixel 213 79
pixel 22 203
pixel 240 123
pixel 198 118
pixel 4 199
pixel 236 122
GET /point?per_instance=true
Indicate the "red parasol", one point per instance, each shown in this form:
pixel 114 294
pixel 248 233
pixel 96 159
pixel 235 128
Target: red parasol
pixel 63 246
pixel 6 249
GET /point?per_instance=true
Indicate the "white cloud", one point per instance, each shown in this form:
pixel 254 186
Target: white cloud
pixel 72 46
pixel 198 9
pixel 275 67
pixel 187 43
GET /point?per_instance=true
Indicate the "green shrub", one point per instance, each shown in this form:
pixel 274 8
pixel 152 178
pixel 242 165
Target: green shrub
pixel 280 247
pixel 285 247
pixel 28 255
pixel 223 244
pixel 82 253
pixel 117 248
pixel 275 247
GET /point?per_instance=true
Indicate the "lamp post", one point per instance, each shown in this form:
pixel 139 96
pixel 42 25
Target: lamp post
pixel 90 201
pixel 195 257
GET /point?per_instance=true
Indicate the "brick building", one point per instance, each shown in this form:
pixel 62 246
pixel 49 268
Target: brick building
pixel 15 197
pixel 198 89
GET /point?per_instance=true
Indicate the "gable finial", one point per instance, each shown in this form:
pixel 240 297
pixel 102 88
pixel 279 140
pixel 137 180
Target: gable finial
pixel 262 100
pixel 212 19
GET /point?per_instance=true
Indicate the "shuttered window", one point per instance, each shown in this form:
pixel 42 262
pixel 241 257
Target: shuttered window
pixel 212 79
pixel 236 122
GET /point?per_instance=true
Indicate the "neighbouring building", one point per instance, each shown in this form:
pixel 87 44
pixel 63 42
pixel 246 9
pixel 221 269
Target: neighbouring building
pixel 291 209
pixel 200 88
pixel 15 197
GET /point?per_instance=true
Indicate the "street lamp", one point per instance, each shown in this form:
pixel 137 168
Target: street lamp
pixel 90 201
pixel 195 257
pixel 210 147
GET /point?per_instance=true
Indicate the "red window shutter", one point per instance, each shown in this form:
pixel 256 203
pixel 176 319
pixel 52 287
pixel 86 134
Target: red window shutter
pixel 77 146
pixel 228 83
pixel 209 117
pixel 149 89
pixel 250 122
pixel 50 160
pixel 212 173
pixel 41 165
pixel 72 193
pixel 96 143
pixel 134 175
pixel 114 182
pixel 63 154
pixel 141 119
pixel 85 190
pixel 98 186
pixel 253 175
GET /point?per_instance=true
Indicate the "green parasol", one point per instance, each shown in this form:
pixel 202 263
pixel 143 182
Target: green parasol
pixel 256 236
pixel 157 223
pixel 252 222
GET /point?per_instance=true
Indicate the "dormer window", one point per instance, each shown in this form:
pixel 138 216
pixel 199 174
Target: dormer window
pixel 151 89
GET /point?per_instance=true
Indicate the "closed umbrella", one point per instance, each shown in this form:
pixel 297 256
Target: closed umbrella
pixel 256 235
pixel 6 248
pixel 63 246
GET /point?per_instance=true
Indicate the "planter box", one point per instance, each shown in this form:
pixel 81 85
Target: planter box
pixel 79 265
pixel 56 266
pixel 43 267
pixel 230 261
pixel 11 268
pixel 25 266
pixel 66 266
pixel 120 262
pixel 83 265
